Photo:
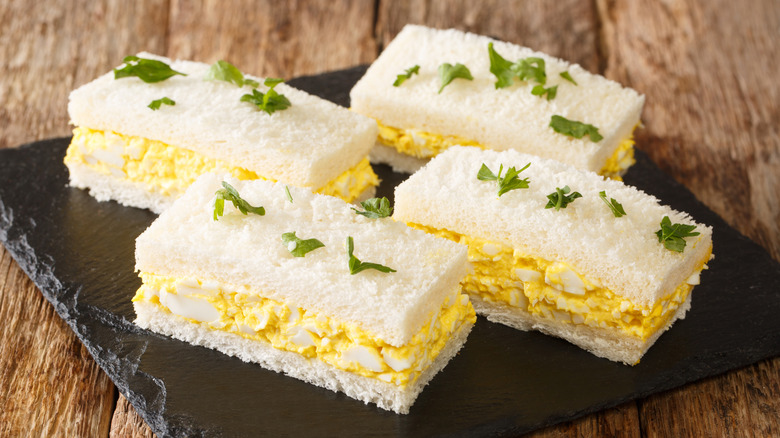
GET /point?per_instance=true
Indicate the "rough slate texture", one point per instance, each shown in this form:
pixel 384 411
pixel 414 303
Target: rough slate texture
pixel 80 254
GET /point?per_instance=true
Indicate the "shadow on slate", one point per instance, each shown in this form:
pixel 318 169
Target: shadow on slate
pixel 79 252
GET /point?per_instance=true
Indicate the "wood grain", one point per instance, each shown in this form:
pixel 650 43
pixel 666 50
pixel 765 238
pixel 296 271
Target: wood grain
pixel 127 423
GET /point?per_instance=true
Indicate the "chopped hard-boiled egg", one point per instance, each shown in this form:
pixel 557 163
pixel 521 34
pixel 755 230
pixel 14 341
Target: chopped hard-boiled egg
pixel 169 170
pixel 555 290
pixel 341 344
pixel 422 144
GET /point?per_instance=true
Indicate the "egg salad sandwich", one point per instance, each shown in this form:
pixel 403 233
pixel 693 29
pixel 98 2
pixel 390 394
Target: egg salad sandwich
pixel 303 284
pixel 145 131
pixel 431 89
pixel 561 250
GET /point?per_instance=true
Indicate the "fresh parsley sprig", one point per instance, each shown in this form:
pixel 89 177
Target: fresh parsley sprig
pixel 575 129
pixel 147 70
pixel 613 205
pixel 401 78
pixel 531 68
pixel 566 75
pixel 510 181
pixel 155 105
pixel 449 72
pixel 673 235
pixel 355 265
pixel 299 247
pixel 501 68
pixel 228 193
pixel 375 208
pixel 540 91
pixel 560 198
pixel 270 101
pixel 225 71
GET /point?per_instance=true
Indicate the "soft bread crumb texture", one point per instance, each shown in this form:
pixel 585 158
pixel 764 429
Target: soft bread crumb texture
pixel 622 254
pixel 185 241
pixel 308 144
pixel 507 118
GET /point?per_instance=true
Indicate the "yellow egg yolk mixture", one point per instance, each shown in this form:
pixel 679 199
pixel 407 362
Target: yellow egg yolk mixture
pixel 169 170
pixel 556 291
pixel 422 144
pixel 343 345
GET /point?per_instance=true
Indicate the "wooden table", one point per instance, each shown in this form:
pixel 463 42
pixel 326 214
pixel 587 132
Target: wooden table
pixel 709 69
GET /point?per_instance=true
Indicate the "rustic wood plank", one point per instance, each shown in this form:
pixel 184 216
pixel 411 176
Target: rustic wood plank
pixel 270 38
pixel 744 403
pixel 708 69
pixel 566 29
pixel 49 384
pixel 618 422
pixel 127 423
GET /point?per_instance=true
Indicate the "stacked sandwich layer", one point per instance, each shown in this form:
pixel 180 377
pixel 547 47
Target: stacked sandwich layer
pixel 580 271
pixel 421 116
pixel 377 336
pixel 210 124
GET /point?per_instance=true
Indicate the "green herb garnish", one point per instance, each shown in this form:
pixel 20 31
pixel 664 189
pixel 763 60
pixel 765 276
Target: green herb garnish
pixel 500 67
pixel 355 265
pixel 613 205
pixel 155 105
pixel 575 129
pixel 560 199
pixel 225 71
pixel 148 70
pixel 299 247
pixel 448 72
pixel 375 208
pixel 540 91
pixel 567 76
pixel 228 193
pixel 400 79
pixel 270 101
pixel 508 182
pixel 531 68
pixel 287 192
pixel 672 235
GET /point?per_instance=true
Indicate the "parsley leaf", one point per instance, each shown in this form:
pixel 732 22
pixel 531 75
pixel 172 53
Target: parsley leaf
pixel 400 79
pixel 510 181
pixel 540 91
pixel 559 198
pixel 375 208
pixel 287 192
pixel 270 101
pixel 155 105
pixel 355 265
pixel 148 70
pixel 613 205
pixel 225 71
pixel 299 247
pixel 531 68
pixel 575 129
pixel 567 76
pixel 672 235
pixel 500 67
pixel 228 193
pixel 448 72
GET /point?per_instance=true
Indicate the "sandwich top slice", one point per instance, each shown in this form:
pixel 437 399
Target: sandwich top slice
pixel 125 150
pixel 516 99
pixel 554 251
pixel 258 287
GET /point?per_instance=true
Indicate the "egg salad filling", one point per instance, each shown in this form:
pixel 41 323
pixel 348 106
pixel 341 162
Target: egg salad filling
pixel 343 345
pixel 555 290
pixel 169 170
pixel 422 144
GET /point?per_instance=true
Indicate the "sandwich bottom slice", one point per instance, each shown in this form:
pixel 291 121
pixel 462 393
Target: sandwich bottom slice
pixel 138 171
pixel 320 350
pixel 531 293
pixel 407 150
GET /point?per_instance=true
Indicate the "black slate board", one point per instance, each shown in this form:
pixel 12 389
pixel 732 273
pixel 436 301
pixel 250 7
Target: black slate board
pixel 79 252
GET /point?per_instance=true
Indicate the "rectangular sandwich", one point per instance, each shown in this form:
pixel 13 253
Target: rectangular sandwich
pixel 302 284
pixel 431 89
pixel 561 250
pixel 145 131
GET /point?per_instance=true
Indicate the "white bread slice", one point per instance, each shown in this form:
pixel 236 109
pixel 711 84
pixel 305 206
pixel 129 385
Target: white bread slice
pixel 621 254
pixel 239 249
pixel 500 119
pixel 307 145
